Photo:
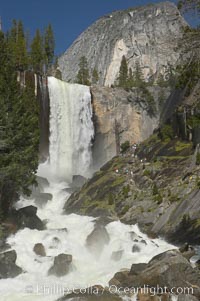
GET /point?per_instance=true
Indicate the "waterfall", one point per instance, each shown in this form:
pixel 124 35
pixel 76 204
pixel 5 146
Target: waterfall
pixel 71 129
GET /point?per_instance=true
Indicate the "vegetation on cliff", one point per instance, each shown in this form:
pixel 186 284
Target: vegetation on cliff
pixel 84 77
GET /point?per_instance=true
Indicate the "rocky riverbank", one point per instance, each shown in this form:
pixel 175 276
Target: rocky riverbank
pixel 155 184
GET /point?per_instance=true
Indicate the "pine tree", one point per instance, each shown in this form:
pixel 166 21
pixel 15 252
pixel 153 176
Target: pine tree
pixel 123 73
pixel 49 45
pixel 83 76
pixel 18 45
pixel 138 76
pixel 37 55
pixel 95 76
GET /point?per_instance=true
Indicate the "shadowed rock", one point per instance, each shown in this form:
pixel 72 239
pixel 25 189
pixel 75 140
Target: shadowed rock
pixel 97 240
pixel 62 265
pixel 8 268
pixel 39 249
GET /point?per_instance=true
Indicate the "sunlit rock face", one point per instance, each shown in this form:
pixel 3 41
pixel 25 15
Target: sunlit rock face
pixel 148 35
pixel 121 116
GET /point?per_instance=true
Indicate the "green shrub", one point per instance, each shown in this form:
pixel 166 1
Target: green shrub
pixel 110 199
pixel 126 190
pixel 146 173
pixel 166 132
pixel 125 146
pixel 155 189
pixel 158 199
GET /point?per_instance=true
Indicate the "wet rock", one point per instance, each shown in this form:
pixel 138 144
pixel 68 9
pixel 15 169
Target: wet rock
pixel 8 268
pixel 28 211
pixel 137 268
pixel 116 256
pixel 166 269
pixel 39 249
pixel 135 249
pixel 187 251
pixel 43 182
pixel 103 221
pixel 62 265
pixel 39 188
pixel 4 246
pixel 69 190
pixel 121 279
pixel 97 240
pixel 78 181
pixel 27 218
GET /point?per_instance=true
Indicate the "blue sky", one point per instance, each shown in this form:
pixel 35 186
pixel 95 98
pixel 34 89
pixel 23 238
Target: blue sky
pixel 68 17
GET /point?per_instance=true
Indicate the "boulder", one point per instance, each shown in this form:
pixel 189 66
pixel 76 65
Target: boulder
pixel 78 181
pixel 8 268
pixel 62 265
pixel 97 240
pixel 39 249
pixel 26 218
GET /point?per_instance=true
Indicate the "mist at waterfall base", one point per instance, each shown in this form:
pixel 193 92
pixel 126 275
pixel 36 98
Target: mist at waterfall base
pixel 71 133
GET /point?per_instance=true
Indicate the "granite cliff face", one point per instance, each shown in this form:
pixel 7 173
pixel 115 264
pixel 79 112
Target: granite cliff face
pixel 148 35
pixel 120 116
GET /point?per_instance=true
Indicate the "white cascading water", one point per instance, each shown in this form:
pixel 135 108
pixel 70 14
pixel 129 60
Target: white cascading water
pixel 70 153
pixel 71 129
